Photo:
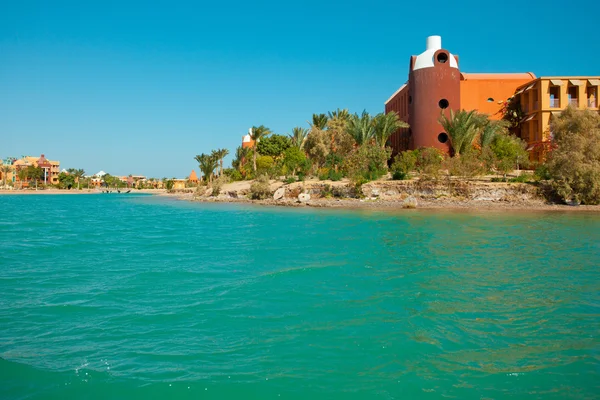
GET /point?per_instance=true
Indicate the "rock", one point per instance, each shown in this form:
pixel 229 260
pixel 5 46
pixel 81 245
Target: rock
pixel 208 192
pixel 391 193
pixel 410 202
pixel 303 197
pixel 375 193
pixel 279 193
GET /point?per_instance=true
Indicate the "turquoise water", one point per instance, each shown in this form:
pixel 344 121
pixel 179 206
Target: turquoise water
pixel 137 297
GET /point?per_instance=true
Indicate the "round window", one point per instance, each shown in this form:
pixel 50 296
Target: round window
pixel 443 103
pixel 443 137
pixel 442 58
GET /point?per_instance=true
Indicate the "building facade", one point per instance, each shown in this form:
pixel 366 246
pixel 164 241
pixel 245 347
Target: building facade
pixel 436 85
pixel 50 169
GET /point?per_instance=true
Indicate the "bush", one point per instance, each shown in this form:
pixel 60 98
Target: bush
pixel 429 160
pixel 290 179
pixel 264 165
pixel 218 183
pixel 542 173
pixel 575 163
pixel 467 165
pixel 294 159
pixel 326 191
pixel 510 153
pixel 403 164
pixel 367 163
pixel 260 188
pixel 233 174
pixel 523 178
pixel 273 145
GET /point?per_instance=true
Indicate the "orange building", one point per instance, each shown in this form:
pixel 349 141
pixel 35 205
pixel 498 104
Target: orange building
pixel 50 169
pixel 436 85
pixel 193 178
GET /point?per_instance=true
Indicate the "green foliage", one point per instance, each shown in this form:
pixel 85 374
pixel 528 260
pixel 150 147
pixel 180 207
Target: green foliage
pixel 298 137
pixel 207 164
pixel 339 114
pixel 233 174
pixel 385 125
pixel 317 146
pixel 468 165
pixel 429 160
pixel 218 184
pixel 361 128
pixel 274 145
pixel 403 164
pixel 512 113
pixel 319 121
pixel 367 163
pixel 294 159
pixel 169 184
pixel 510 153
pixel 260 188
pixel 257 133
pixel 290 179
pixel 542 172
pixel 462 128
pixel 575 163
pixel 489 130
pixel 264 164
pixel 66 181
pixel 522 178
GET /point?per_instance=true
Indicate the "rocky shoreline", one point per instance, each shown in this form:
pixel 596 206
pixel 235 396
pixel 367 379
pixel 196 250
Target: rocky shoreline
pixel 392 195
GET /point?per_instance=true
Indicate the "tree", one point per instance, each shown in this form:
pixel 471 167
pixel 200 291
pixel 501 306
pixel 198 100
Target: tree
pixel 575 163
pixel 343 115
pixel 5 169
pixel 462 128
pixel 219 155
pixel 273 145
pixel 489 130
pixel 385 125
pixel 319 121
pixel 66 180
pixel 77 175
pixel 510 152
pixel 298 136
pixel 317 146
pixel 257 133
pixel 34 173
pixel 207 164
pixel 22 175
pixel 361 128
pixel 293 158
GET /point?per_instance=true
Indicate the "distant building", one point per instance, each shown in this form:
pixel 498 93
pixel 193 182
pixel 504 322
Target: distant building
pixel 193 178
pixel 436 85
pixel 50 169
pixel 247 141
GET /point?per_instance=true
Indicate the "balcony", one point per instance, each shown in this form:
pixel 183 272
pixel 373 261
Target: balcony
pixel 592 103
pixel 574 103
pixel 554 103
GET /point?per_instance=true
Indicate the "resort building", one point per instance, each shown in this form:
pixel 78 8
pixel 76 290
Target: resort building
pixel 50 169
pixel 247 141
pixel 436 85
pixel 193 178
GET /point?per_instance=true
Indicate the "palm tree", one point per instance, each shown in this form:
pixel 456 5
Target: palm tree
pixel 361 128
pixel 298 136
pixel 5 169
pixel 22 175
pixel 319 121
pixel 342 115
pixel 386 125
pixel 241 155
pixel 257 133
pixel 462 128
pixel 220 154
pixel 490 130
pixel 207 164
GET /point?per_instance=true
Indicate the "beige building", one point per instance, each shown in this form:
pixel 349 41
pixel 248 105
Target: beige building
pixel 544 98
pixel 50 169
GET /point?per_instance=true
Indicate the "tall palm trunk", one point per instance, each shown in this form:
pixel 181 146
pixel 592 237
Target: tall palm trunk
pixel 254 160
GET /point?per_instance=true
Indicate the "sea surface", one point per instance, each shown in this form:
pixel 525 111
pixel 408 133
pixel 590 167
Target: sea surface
pixel 141 297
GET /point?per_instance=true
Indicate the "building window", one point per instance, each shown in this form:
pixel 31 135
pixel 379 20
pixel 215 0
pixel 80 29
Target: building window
pixel 554 96
pixel 409 99
pixel 442 58
pixel 443 103
pixel 443 137
pixel 490 100
pixel 592 96
pixel 572 95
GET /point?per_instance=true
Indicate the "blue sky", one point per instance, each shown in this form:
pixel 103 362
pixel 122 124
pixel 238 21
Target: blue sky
pixel 142 87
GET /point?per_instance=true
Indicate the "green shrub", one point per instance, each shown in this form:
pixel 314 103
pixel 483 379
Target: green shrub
pixel 429 160
pixel 326 191
pixel 260 188
pixel 290 179
pixel 403 164
pixel 218 183
pixel 467 165
pixel 510 153
pixel 497 179
pixel 233 174
pixel 542 173
pixel 523 178
pixel 575 163
pixel 367 163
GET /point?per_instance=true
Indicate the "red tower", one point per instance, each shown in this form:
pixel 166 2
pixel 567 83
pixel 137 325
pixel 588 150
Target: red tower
pixel 434 87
